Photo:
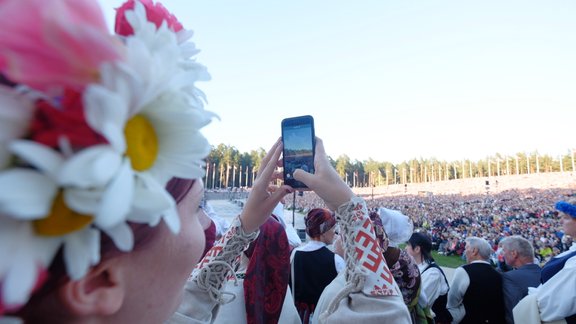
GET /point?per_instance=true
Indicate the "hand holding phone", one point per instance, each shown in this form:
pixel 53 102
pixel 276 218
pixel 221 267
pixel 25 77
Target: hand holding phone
pixel 299 143
pixel 325 181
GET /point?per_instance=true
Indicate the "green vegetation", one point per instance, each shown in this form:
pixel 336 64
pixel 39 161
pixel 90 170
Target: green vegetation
pixel 227 167
pixel 453 261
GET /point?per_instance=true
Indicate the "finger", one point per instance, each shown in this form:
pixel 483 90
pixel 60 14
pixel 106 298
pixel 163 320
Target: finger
pixel 268 156
pixel 303 176
pixel 320 147
pixel 275 197
pixel 269 167
pixel 278 175
pixel 271 189
pixel 280 193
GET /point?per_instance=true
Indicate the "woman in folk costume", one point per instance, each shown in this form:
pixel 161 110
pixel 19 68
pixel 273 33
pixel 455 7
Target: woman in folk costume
pixel 313 265
pixel 260 283
pixel 367 292
pixel 433 281
pixel 393 228
pixel 101 161
pixel 554 300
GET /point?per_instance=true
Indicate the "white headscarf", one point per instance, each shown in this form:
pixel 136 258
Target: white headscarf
pixel 398 226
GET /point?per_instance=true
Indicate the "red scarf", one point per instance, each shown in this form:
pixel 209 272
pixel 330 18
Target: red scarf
pixel 267 274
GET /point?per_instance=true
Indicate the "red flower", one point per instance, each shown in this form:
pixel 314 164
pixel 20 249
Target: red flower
pixel 51 123
pixel 155 13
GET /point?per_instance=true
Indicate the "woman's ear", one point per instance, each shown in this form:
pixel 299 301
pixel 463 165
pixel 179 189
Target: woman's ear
pixel 100 292
pixel 417 249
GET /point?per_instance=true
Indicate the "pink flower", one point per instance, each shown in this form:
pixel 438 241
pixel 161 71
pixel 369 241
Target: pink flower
pixel 54 43
pixel 155 13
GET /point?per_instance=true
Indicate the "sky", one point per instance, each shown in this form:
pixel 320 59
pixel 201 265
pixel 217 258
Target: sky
pixel 389 80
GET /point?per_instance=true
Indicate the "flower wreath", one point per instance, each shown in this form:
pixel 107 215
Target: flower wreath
pixel 92 127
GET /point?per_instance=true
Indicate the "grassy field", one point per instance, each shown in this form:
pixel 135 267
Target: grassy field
pixel 453 261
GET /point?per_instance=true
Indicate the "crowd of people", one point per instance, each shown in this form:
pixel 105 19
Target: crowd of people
pixel 486 289
pixel 449 219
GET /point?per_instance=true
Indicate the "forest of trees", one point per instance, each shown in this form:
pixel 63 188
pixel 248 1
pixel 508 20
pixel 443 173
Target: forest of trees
pixel 226 167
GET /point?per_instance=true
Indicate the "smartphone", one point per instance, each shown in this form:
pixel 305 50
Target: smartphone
pixel 299 145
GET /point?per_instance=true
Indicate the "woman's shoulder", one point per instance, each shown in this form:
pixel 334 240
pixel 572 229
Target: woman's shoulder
pixel 310 246
pixel 432 268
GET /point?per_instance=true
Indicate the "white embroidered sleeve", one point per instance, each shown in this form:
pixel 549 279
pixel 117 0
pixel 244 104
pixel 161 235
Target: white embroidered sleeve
pixel 369 285
pixel 432 284
pixel 203 292
pixel 458 287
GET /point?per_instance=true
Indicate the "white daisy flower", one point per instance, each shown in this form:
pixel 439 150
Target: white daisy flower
pixel 147 107
pixel 31 253
pixel 28 253
pixel 62 199
pixel 149 110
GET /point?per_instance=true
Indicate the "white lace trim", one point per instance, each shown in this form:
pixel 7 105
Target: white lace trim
pixel 212 274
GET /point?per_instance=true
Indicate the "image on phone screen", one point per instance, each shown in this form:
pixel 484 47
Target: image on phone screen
pixel 298 139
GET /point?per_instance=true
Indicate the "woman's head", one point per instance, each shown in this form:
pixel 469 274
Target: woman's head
pixel 420 247
pixel 95 140
pixel 321 225
pixel 160 259
pixel 567 211
pixel 165 264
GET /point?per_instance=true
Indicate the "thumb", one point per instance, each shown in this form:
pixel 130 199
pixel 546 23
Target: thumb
pixel 304 177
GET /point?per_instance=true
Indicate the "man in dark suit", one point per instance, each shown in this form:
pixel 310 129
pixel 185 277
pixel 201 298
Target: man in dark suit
pixel 475 294
pixel 519 254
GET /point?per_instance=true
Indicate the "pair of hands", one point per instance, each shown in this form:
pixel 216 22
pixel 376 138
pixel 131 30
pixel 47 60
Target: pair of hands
pixel 325 182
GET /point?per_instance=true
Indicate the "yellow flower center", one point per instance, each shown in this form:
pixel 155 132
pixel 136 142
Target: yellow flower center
pixel 142 143
pixel 61 220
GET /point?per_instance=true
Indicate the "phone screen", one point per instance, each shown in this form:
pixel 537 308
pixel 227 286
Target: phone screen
pixel 299 141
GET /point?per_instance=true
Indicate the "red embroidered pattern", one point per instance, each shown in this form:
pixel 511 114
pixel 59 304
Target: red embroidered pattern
pixel 373 260
pixel 210 255
pixel 369 254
